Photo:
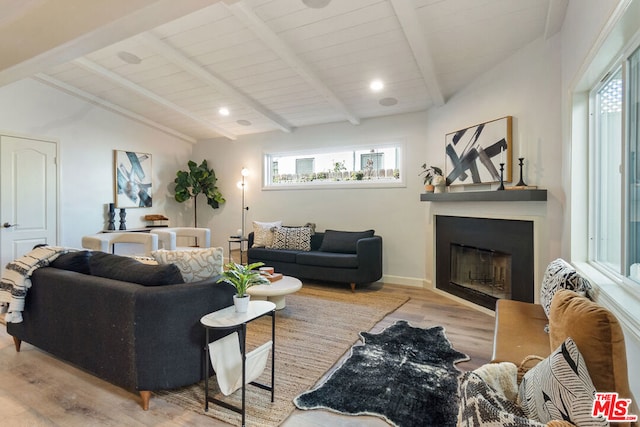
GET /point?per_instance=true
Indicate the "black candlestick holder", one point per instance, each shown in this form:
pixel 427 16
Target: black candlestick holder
pixel 521 182
pixel 501 177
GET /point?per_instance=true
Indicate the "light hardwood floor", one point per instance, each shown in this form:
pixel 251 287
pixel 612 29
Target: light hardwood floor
pixel 37 389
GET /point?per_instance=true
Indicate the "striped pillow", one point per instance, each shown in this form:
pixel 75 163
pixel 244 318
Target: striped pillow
pixel 560 388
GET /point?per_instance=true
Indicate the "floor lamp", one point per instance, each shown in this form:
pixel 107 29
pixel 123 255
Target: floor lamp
pixel 244 173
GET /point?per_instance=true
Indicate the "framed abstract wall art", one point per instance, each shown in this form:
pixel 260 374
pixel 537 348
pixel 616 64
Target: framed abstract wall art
pixel 133 186
pixel 474 154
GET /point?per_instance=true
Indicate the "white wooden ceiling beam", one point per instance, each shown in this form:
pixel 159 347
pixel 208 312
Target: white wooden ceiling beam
pixel 555 17
pixel 277 45
pixel 407 15
pixel 129 85
pixel 196 70
pixel 110 106
pixel 44 36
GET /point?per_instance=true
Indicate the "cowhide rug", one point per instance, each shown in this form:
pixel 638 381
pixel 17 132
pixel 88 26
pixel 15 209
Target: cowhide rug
pixel 404 374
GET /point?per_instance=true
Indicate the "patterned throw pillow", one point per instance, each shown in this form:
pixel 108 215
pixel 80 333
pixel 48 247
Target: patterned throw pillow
pixel 292 238
pixel 263 233
pixel 560 388
pixel 195 264
pixel 561 275
pixel 481 404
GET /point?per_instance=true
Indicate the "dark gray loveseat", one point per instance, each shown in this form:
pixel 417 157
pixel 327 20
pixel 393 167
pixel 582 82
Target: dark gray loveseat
pixel 141 338
pixel 335 256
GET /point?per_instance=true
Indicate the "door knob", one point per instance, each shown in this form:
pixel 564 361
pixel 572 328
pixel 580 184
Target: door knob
pixel 7 225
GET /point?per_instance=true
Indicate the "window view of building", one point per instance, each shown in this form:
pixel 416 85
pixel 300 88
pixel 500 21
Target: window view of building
pixel 357 165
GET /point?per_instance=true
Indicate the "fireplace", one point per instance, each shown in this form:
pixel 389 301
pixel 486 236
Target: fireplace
pixel 484 259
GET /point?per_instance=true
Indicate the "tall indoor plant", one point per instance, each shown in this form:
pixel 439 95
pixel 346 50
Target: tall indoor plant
pixel 197 180
pixel 242 277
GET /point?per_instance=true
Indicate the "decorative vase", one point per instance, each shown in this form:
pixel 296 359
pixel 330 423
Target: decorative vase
pixel 241 303
pixel 429 188
pixel 111 225
pixel 438 182
pixel 123 219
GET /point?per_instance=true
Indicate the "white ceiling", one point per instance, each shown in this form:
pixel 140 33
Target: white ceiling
pixel 275 64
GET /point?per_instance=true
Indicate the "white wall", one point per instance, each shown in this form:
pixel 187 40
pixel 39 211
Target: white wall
pixel 395 213
pixel 87 136
pixel 524 86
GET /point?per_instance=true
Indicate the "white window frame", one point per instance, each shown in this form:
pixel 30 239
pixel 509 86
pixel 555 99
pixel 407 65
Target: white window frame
pixel 614 43
pixel 595 199
pixel 399 145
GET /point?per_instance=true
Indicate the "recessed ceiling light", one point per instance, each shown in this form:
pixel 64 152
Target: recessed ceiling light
pixel 129 57
pixel 376 85
pixel 388 102
pixel 244 122
pixel 316 4
pixel 223 111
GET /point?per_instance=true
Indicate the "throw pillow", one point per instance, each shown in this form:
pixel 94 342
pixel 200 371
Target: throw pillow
pixel 292 238
pixel 343 241
pixel 128 269
pixel 560 388
pixel 195 264
pixel 481 404
pixel 561 275
pixel 598 334
pixel 263 233
pixel 311 225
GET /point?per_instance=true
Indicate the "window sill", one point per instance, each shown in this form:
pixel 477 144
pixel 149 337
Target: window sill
pixel 622 300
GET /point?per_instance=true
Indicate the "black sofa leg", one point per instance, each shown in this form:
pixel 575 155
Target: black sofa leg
pixel 353 287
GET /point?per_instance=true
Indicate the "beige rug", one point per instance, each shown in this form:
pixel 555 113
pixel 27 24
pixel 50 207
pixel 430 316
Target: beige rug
pixel 318 325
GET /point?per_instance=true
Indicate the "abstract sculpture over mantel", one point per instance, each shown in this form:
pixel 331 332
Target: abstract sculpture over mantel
pixel 473 154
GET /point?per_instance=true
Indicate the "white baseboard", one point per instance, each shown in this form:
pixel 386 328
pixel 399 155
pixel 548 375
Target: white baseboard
pixel 405 281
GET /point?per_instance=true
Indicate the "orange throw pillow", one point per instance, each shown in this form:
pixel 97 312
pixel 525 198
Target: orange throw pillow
pixel 598 335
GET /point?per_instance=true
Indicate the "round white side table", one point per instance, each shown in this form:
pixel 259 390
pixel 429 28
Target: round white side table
pixel 276 291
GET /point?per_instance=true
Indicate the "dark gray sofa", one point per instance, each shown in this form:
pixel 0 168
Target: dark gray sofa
pixel 335 256
pixel 141 338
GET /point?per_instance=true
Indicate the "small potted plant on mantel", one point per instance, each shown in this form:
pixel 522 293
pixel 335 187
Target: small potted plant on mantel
pixel 242 277
pixel 432 177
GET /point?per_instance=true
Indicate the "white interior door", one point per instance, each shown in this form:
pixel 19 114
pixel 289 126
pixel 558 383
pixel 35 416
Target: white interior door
pixel 28 195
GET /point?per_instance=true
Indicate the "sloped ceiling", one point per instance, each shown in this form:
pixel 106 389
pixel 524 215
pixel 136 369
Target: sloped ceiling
pixel 274 64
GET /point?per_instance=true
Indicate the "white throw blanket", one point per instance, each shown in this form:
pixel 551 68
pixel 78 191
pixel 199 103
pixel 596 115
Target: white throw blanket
pixel 16 279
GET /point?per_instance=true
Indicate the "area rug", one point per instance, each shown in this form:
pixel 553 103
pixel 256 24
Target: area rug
pixel 317 327
pixel 404 374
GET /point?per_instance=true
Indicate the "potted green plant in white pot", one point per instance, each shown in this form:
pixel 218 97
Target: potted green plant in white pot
pixel 242 277
pixel 432 176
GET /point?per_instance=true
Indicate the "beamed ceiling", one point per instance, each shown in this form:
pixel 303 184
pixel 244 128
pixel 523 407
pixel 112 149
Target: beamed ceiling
pixel 276 65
